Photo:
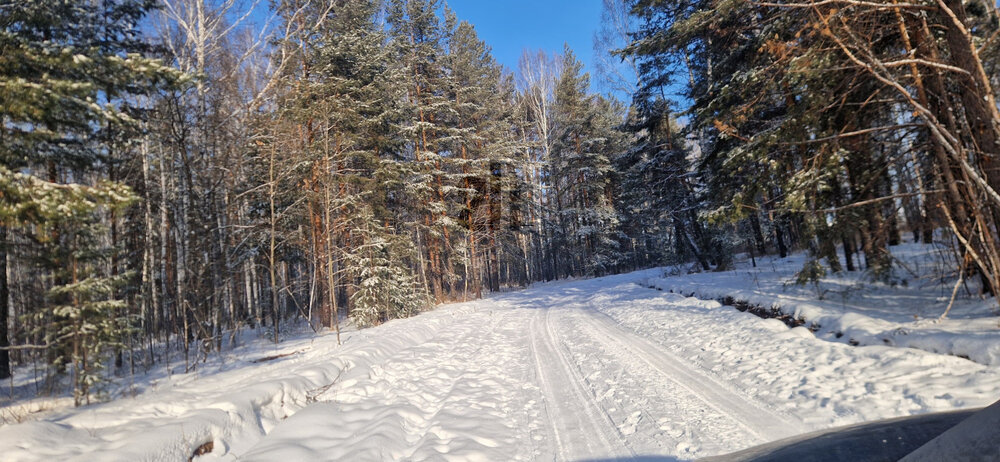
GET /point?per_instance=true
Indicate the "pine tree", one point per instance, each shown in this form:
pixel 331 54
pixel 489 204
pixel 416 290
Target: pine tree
pixel 352 102
pixel 805 114
pixel 585 142
pixel 419 39
pixel 484 156
pixel 655 194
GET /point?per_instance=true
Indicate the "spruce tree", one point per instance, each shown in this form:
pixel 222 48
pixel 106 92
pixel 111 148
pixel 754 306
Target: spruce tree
pixel 67 67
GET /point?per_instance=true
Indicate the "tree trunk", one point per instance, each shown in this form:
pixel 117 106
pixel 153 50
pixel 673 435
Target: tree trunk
pixel 848 251
pixel 758 234
pixel 272 245
pixel 779 239
pixel 976 93
pixel 4 307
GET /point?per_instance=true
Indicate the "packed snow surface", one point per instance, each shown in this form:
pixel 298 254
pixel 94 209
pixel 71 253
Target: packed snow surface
pixel 582 370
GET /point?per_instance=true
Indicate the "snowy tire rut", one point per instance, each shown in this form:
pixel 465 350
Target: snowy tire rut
pixel 756 420
pixel 580 428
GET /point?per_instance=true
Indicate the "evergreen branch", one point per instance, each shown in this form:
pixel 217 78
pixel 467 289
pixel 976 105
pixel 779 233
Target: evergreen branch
pixel 24 347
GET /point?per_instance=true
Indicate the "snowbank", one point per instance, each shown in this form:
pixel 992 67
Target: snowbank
pixel 232 408
pixel 846 308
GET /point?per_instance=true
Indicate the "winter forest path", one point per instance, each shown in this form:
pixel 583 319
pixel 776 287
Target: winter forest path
pixel 540 374
pixel 602 369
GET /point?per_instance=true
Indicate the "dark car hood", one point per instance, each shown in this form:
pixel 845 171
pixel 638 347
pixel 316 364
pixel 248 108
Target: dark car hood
pixel 967 435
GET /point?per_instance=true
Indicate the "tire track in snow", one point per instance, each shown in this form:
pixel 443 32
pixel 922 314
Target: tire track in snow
pixel 580 428
pixel 758 421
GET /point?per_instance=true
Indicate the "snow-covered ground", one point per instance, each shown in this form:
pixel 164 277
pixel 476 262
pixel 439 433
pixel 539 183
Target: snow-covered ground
pixel 850 308
pixel 597 369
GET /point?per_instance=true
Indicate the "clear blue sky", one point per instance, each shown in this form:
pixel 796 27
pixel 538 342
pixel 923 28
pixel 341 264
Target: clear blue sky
pixel 510 26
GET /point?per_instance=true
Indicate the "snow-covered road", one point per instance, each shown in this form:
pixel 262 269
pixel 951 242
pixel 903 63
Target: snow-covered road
pixel 594 356
pixel 539 374
pixel 602 369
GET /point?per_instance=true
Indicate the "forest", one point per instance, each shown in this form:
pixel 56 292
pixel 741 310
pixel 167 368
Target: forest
pixel 173 173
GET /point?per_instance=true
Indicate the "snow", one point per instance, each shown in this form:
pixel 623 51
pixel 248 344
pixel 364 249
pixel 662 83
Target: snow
pixel 592 369
pixel 848 308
